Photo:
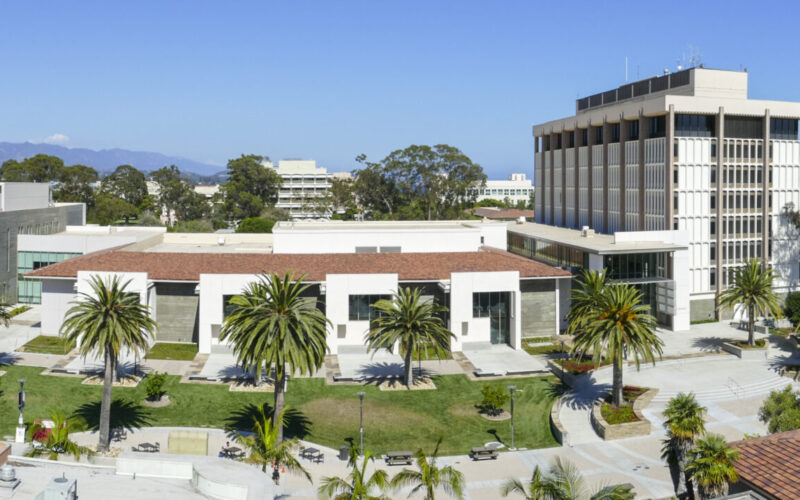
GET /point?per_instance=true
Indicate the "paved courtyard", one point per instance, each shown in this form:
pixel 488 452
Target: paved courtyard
pixel 500 359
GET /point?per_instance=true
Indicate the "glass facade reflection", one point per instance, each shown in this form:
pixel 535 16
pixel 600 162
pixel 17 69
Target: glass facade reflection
pixel 30 291
pixel 547 252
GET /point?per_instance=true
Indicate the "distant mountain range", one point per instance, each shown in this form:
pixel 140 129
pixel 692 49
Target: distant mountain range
pixel 106 160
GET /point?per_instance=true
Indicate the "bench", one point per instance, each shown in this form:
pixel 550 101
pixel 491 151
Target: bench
pixel 399 457
pixel 481 452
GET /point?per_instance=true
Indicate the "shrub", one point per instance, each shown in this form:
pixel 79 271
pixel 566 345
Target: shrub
pixel 255 225
pixel 791 308
pixel 154 385
pixel 618 414
pixel 193 226
pixel 759 344
pixel 781 410
pixel 494 397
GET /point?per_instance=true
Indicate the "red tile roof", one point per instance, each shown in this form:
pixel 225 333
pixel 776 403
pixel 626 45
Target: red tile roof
pixel 502 213
pixel 408 266
pixel 771 464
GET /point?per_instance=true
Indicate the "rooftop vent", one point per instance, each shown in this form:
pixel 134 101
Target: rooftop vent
pixel 586 232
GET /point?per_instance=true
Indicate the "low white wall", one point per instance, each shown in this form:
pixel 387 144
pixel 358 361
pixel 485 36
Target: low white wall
pixel 70 243
pixel 128 466
pixel 345 240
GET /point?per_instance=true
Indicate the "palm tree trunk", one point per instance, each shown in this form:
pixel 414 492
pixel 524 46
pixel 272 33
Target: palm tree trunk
pixel 751 325
pixel 280 384
pixel 408 378
pixel 616 387
pixel 680 459
pixel 105 404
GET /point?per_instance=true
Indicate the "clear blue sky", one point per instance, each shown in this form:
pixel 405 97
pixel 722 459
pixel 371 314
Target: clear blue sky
pixel 328 80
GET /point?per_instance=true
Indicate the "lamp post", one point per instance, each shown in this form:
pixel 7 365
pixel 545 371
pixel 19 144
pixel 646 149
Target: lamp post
pixel 562 361
pixel 361 395
pixel 20 437
pixel 511 389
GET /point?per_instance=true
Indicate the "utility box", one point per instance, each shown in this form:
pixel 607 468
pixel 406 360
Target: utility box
pixel 60 488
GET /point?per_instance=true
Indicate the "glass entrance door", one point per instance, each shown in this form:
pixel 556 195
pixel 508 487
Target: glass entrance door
pixel 498 318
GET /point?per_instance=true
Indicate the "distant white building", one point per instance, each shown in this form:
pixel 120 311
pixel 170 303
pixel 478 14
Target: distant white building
pixel 303 181
pixel 517 188
pixel 207 190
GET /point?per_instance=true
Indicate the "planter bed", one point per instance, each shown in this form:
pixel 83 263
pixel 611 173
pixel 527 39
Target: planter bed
pixel 572 369
pixel 741 350
pixel 626 421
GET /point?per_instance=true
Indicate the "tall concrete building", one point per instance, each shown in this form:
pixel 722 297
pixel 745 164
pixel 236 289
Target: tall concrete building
pixel 687 152
pixel 27 208
pixel 303 181
pixel 517 188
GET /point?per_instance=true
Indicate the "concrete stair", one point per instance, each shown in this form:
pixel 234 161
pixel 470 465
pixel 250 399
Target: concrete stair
pixel 761 386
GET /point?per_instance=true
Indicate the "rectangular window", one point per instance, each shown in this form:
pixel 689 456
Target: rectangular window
pixel 713 199
pixel 361 306
pixel 675 176
pixel 713 227
pixel 712 278
pixel 713 175
pixel 712 253
pixel 227 307
pixel 615 132
pixel 633 130
pixel 598 132
pixel 572 139
pixel 585 137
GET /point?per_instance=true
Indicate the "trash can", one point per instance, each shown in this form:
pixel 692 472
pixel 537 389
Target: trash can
pixel 344 452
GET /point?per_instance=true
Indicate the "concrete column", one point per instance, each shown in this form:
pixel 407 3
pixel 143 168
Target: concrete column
pixel 668 156
pixel 605 176
pixel 720 150
pixel 623 131
pixel 577 176
pixel 563 177
pixel 765 190
pixel 589 143
pixel 642 128
pixel 552 208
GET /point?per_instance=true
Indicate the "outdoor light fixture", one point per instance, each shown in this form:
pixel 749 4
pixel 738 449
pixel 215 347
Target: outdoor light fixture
pixel 511 389
pixel 361 395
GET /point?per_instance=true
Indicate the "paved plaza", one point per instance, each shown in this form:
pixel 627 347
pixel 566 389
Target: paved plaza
pixel 732 389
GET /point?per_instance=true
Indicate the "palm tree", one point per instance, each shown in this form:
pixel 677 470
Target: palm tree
pixel 429 476
pixel 616 322
pixel 563 482
pixel 273 327
pixel 684 424
pixel 106 321
pixel 711 466
pixel 406 321
pixel 265 448
pixel 55 440
pixel 585 298
pixel 752 287
pixel 356 486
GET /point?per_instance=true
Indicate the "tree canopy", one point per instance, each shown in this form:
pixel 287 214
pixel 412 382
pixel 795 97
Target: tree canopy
pixel 251 186
pixel 418 182
pixel 38 168
pixel 76 184
pixel 128 183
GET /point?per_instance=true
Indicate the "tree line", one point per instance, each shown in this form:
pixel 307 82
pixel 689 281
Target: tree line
pixel 416 183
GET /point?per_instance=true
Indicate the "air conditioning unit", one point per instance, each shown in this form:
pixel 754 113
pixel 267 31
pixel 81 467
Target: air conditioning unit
pixel 586 232
pixel 61 488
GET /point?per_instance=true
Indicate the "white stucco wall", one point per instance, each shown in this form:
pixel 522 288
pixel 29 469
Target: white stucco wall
pixel 57 294
pixel 24 195
pixel 346 241
pixel 70 243
pixel 462 286
pixel 212 288
pixel 337 306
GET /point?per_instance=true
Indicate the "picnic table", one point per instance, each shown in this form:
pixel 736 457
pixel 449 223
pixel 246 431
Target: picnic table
pixel 481 452
pixel 232 452
pixel 399 457
pixel 147 448
pixel 312 454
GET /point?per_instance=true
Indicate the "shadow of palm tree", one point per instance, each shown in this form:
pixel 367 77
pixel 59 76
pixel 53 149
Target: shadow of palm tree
pixel 125 414
pixel 709 344
pixel 298 425
pixel 556 389
pixel 8 358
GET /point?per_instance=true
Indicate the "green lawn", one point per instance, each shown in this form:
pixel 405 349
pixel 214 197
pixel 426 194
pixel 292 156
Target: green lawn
pixel 328 415
pixel 44 344
pixel 166 350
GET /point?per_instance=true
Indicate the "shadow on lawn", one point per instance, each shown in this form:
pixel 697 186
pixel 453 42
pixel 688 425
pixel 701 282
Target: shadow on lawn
pixel 297 424
pixel 125 414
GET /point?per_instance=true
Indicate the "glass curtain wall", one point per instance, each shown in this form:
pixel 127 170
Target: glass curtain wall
pixel 30 291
